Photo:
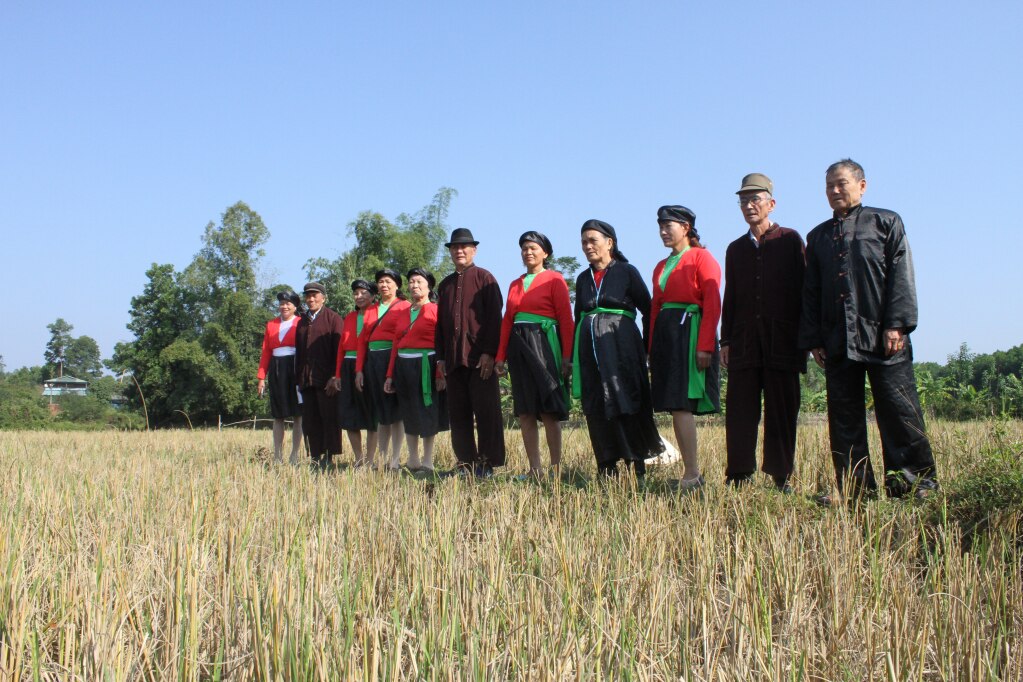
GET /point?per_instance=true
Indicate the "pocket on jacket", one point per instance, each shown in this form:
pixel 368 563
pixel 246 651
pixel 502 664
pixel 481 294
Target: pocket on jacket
pixel 738 344
pixel 784 335
pixel 868 334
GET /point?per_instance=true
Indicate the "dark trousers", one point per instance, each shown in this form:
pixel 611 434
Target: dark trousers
pixel 780 390
pixel 905 449
pixel 471 398
pixel 319 422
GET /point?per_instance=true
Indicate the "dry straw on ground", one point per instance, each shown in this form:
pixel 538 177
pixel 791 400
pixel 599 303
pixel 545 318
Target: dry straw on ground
pixel 179 555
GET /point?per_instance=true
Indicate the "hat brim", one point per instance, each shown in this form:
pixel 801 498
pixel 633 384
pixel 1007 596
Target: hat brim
pixel 450 244
pixel 753 188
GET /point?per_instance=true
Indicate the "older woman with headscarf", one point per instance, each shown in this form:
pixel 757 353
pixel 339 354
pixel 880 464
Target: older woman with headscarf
pixel 683 341
pixel 277 363
pixel 354 413
pixel 609 369
pixel 413 375
pixel 373 358
pixel 536 348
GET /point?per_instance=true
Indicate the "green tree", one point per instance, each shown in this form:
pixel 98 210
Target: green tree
pixel 55 354
pixel 83 358
pixel 569 267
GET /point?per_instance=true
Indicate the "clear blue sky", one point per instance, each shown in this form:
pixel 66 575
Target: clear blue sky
pixel 125 127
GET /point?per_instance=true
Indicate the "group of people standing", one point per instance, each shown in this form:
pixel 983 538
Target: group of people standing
pixel 412 366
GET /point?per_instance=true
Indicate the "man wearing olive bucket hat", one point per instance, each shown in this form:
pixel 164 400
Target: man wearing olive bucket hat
pixel 468 334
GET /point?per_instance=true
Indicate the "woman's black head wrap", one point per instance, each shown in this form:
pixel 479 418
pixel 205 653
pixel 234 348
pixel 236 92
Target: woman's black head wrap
pixel 608 231
pixel 364 284
pixel 289 295
pixel 431 281
pixel 388 272
pixel 540 239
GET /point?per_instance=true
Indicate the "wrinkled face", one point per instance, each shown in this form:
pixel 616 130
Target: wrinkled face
pixel 418 287
pixel 844 190
pixel 533 254
pixel 674 234
pixel 286 308
pixel 462 254
pixel 387 288
pixel 755 206
pixel 596 246
pixel 314 300
pixel 362 298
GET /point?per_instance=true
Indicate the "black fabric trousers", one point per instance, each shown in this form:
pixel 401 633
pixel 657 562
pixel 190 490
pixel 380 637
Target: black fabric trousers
pixel 780 390
pixel 319 422
pixel 475 404
pixel 904 445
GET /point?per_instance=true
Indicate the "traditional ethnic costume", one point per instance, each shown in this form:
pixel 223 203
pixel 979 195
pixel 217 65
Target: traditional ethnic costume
pixel 374 356
pixel 354 410
pixel 413 372
pixel 277 366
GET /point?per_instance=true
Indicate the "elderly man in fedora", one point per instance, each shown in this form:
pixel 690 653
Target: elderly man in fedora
pixel 467 337
pixel 316 343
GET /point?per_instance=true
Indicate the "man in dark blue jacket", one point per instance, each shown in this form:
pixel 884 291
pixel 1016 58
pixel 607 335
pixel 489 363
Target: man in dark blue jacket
pixel 859 308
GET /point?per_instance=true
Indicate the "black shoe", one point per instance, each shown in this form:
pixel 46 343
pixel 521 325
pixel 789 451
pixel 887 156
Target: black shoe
pixel 738 481
pixel 781 484
pixel 483 471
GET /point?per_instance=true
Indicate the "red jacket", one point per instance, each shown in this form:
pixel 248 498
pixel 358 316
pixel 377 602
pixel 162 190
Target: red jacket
pixel 547 296
pixel 383 329
pixel 271 340
pixel 696 279
pixel 418 334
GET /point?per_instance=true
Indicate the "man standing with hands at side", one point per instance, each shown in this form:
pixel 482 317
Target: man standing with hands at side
pixel 467 337
pixel 316 342
pixel 759 327
pixel 859 307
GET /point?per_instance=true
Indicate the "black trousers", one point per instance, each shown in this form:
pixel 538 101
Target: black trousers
pixel 319 422
pixel 475 404
pixel 904 445
pixel 780 390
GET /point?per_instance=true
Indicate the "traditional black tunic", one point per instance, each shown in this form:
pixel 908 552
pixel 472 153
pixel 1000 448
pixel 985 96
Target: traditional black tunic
pixel 612 365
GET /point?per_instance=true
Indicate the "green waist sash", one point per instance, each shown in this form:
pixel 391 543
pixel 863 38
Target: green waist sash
pixel 697 377
pixel 549 326
pixel 351 353
pixel 427 386
pixel 577 379
pixel 380 345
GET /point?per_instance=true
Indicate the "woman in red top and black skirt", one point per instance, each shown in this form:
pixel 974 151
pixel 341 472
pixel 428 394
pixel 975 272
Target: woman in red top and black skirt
pixel 354 414
pixel 277 363
pixel 373 358
pixel 412 375
pixel 536 344
pixel 685 311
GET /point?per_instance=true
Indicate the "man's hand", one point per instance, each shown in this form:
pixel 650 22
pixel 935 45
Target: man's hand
pixel 260 387
pixel 702 359
pixel 441 383
pixel 486 366
pixel 894 341
pixel 332 387
pixel 819 356
pixel 724 356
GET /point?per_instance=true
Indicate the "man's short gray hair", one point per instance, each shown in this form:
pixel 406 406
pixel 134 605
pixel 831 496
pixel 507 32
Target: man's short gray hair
pixel 853 167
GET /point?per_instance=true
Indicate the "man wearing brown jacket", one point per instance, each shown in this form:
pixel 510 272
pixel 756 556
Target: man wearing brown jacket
pixel 759 328
pixel 316 342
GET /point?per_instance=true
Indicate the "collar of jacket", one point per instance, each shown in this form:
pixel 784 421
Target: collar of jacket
pixel 853 212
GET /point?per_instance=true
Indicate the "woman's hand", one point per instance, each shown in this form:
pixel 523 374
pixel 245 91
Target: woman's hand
pixel 260 387
pixel 702 359
pixel 501 368
pixel 566 367
pixel 441 383
pixel 358 381
pixel 388 385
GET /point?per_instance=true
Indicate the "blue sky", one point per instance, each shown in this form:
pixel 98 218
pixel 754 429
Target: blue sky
pixel 126 127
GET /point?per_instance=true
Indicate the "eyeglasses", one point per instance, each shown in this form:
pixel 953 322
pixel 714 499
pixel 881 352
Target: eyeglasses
pixel 755 200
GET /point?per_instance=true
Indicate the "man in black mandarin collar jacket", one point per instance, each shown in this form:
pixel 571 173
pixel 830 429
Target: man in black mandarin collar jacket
pixel 859 307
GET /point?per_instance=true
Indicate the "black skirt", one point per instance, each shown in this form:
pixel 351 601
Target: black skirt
pixel 354 412
pixel 669 366
pixel 384 405
pixel 616 390
pixel 535 379
pixel 419 418
pixel 284 397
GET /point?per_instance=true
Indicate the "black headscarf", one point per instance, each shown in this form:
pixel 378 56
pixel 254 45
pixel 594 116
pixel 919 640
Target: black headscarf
pixel 289 295
pixel 608 231
pixel 431 281
pixel 680 214
pixel 388 272
pixel 364 284
pixel 538 238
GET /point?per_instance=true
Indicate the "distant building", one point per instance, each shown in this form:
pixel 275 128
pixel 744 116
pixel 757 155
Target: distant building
pixel 64 386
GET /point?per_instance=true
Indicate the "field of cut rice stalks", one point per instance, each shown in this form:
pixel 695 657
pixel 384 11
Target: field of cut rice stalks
pixel 186 555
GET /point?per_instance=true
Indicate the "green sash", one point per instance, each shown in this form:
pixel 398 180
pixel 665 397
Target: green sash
pixel 351 353
pixel 549 326
pixel 697 377
pixel 427 386
pixel 577 380
pixel 380 345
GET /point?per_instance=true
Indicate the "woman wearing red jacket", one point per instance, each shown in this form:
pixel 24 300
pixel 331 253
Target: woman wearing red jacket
pixel 354 413
pixel 373 357
pixel 412 374
pixel 277 363
pixel 684 318
pixel 536 348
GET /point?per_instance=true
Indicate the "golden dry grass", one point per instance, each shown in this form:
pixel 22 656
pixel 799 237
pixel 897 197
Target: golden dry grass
pixel 177 555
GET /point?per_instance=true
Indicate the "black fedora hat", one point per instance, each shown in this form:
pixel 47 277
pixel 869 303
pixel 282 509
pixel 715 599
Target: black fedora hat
pixel 461 235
